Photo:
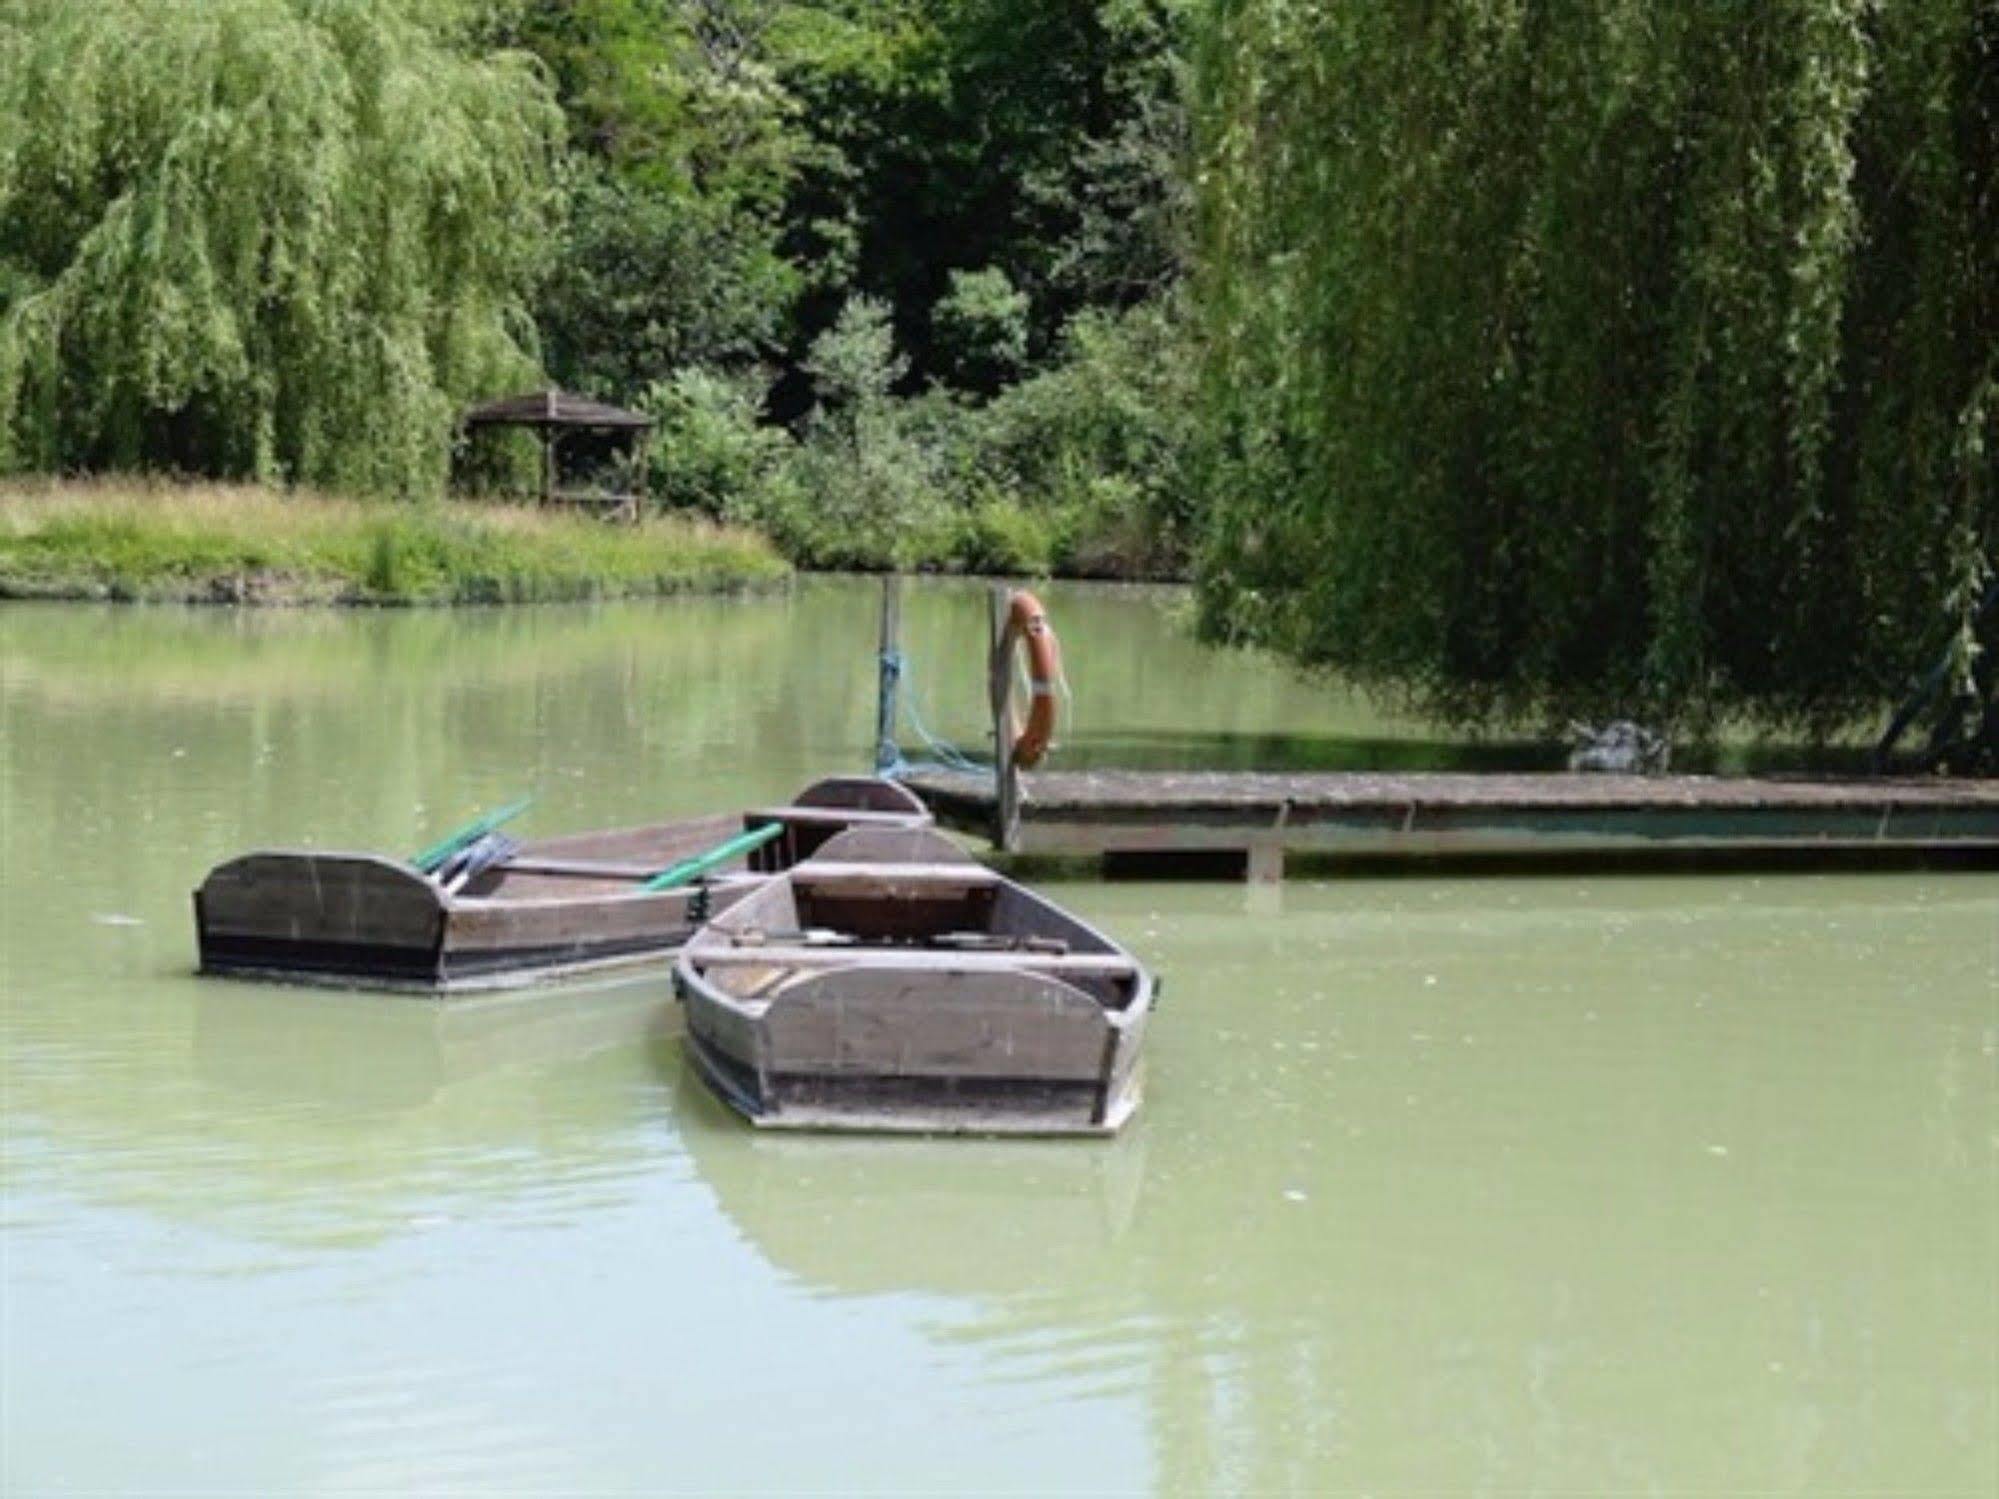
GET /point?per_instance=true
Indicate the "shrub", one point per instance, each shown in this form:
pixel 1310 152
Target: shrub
pixel 711 452
pixel 1002 534
pixel 1102 439
pixel 979 329
pixel 1081 468
pixel 861 489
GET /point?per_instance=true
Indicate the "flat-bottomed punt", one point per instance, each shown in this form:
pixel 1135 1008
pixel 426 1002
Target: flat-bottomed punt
pixel 551 907
pixel 892 983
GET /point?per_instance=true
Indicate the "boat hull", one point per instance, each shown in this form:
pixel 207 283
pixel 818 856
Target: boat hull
pixel 892 984
pixel 349 920
pixel 916 1106
pixel 557 907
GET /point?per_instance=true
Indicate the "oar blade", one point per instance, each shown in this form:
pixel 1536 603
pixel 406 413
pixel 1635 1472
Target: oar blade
pixel 434 857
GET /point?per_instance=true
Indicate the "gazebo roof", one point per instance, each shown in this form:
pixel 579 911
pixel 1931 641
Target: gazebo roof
pixel 555 408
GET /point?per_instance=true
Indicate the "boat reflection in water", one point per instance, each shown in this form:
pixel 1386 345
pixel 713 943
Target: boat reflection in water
pixel 346 1053
pixel 858 1215
pixel 347 1117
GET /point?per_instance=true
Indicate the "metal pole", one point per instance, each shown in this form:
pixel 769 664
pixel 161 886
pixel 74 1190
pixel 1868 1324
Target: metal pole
pixel 888 675
pixel 999 682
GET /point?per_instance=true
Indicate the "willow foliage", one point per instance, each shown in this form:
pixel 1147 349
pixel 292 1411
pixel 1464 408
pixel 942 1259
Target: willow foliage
pixel 269 238
pixel 1614 354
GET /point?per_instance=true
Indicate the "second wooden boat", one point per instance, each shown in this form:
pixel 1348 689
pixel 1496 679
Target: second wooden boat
pixel 543 908
pixel 891 983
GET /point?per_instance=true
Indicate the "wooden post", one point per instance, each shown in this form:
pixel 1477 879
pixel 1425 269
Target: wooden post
pixel 1264 862
pixel 642 479
pixel 547 466
pixel 1263 897
pixel 999 680
pixel 888 674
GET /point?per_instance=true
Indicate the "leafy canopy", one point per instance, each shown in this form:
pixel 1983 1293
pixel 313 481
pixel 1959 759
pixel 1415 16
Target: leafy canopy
pixel 1611 356
pixel 282 239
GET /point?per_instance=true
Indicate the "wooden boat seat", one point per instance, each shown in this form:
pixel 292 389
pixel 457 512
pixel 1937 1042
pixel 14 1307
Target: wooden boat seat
pixel 592 869
pixel 582 869
pixel 866 879
pixel 757 983
pixel 917 959
pixel 956 941
pixel 839 816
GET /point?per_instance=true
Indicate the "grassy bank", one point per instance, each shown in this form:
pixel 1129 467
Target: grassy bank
pixel 222 544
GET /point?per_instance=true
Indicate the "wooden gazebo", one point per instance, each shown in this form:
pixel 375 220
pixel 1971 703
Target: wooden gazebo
pixel 552 413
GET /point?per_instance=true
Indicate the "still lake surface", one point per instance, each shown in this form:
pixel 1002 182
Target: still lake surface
pixel 1573 1183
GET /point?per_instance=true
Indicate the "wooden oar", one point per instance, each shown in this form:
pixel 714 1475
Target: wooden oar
pixel 433 858
pixel 675 875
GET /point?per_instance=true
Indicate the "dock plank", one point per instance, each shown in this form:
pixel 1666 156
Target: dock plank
pixel 1423 814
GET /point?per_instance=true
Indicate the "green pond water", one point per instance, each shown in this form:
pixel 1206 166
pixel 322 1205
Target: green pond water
pixel 1567 1184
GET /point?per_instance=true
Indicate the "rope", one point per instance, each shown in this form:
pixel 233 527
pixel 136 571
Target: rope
pixel 890 762
pixel 888 754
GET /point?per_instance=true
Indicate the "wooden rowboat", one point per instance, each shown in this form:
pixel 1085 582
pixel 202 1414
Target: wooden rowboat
pixel 551 906
pixel 891 983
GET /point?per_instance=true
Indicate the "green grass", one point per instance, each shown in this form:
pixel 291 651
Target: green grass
pixel 214 543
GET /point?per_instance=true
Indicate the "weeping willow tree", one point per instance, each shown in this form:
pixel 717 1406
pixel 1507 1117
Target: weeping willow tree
pixel 1614 356
pixel 279 239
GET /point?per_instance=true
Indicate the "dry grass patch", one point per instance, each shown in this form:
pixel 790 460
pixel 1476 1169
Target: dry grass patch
pixel 244 544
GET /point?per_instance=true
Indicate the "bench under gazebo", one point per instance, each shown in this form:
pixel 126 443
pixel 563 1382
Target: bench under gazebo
pixel 552 414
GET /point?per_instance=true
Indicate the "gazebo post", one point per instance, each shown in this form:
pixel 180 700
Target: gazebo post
pixel 641 473
pixel 547 466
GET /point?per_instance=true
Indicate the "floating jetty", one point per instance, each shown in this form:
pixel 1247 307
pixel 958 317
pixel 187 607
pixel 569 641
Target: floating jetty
pixel 1164 821
pixel 1259 819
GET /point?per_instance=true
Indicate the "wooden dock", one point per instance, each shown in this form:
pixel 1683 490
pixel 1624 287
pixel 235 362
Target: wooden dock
pixel 1259 819
pixel 1251 822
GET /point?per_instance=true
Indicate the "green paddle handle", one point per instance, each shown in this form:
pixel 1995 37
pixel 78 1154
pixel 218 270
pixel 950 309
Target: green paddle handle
pixel 688 869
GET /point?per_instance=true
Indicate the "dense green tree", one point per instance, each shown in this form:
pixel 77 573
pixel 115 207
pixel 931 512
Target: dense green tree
pixel 867 483
pixel 1078 116
pixel 1611 355
pixel 271 238
pixel 1039 138
pixel 646 282
pixel 683 149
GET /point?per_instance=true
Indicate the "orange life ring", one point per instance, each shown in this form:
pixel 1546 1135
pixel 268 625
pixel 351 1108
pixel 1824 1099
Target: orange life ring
pixel 1027 624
